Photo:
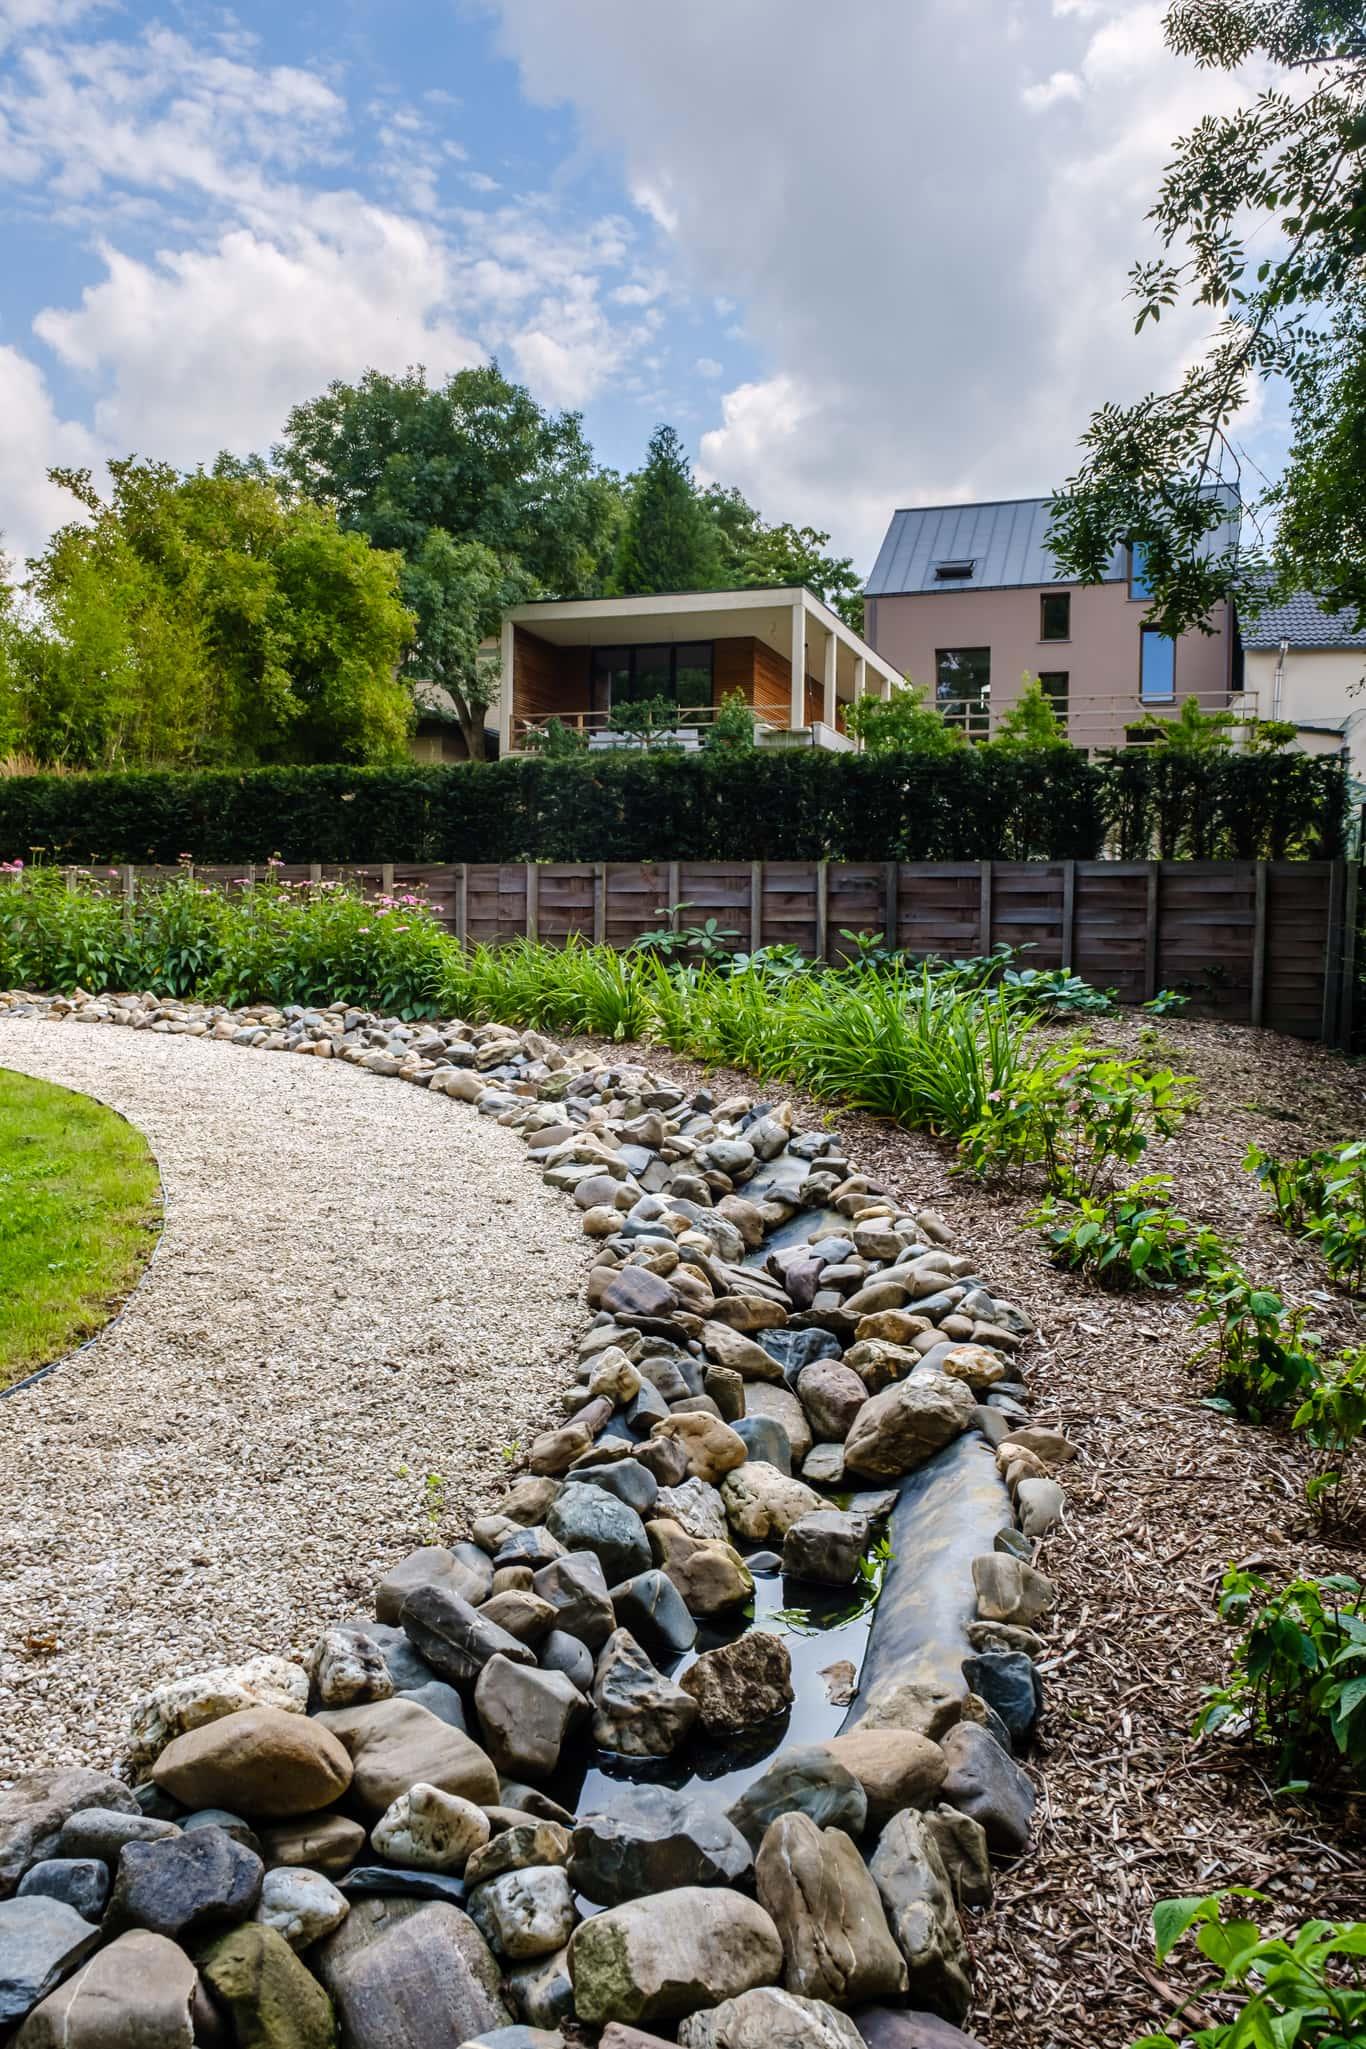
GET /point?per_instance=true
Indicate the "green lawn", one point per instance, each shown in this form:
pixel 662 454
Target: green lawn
pixel 79 1212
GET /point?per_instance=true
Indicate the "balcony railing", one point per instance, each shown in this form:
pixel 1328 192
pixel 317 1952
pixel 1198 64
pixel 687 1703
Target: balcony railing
pixel 595 727
pixel 1101 720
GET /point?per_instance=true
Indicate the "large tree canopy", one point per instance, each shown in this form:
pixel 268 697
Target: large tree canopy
pixel 669 540
pixel 194 620
pixel 1291 308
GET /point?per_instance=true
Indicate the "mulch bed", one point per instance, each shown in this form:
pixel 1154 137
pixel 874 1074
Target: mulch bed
pixel 1164 1496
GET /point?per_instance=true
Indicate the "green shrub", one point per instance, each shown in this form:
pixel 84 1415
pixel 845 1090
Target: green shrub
pixel 1298 1678
pixel 1322 1196
pixel 1303 1990
pixel 1075 1118
pixel 1131 1238
pixel 1332 1421
pixel 732 729
pixel 555 741
pixel 1261 1354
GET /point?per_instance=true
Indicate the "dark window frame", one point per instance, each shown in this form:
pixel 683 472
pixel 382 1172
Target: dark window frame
pixel 1057 697
pixel 1047 598
pixel 620 654
pixel 956 569
pixel 1145 634
pixel 975 715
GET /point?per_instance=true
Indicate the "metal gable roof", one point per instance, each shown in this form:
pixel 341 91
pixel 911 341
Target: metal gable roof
pixel 1302 621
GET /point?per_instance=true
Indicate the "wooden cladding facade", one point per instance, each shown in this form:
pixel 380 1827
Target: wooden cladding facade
pixel 549 680
pixel 1255 942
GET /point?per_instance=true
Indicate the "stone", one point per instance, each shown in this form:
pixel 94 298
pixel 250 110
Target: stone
pixel 805 1779
pixel 782 1407
pixel 765 1439
pixel 910 1876
pixel 528 1500
pixel 919 1704
pixel 186 1886
pixel 1039 1503
pixel 303 1906
pixel 231 1825
pixel 347 1666
pixel 888 1325
pixel 635 1292
pixel 636 1710
pixel 394 1744
pixel 329 1843
pixel 587 1519
pixel 518 1848
pixel 138 1993
pixel 832 1396
pixel 406 1668
pixel 1005 1636
pixel 406 1973
pixel 880 1364
pixel 1009 1683
pixel 103 1831
pixel 731 1348
pixel 823 1466
pixel 560 1652
pixel 761 1502
pixel 440 1699
pixel 34 1808
pixel 984 1781
pixel 526 1715
pixel 825 1547
pixel 697 1508
pixel 259 1761
pixel 273 2000
pixel 517 1801
pixel 712 1448
pixel 664 1457
pixel 517 2037
pixel 543 1991
pixel 1009 1590
pixel 654 1840
pixel 520 1612
pixel 882 2027
pixel 455 1639
pixel 895 1767
pixel 530 1547
pixel 743 1684
pixel 654 1611
pixel 712 1578
pixel 975 1364
pixel 426 1829
pixel 626 1478
pixel 525 1913
pixel 662 1958
pixel 41 1941
pixel 836 1942
pixel 897 1430
pixel 1049 1445
pixel 79 1882
pixel 769 2018
pixel 390 1881
pixel 179 1705
pixel 962 1846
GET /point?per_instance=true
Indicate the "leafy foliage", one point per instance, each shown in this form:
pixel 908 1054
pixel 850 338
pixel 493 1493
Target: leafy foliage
pixel 1322 1196
pixel 1074 1119
pixel 1332 1421
pixel 458 591
pixel 903 724
pixel 1298 1677
pixel 1261 1355
pixel 1303 1990
pixel 1130 1238
pixel 732 729
pixel 667 540
pixel 1031 724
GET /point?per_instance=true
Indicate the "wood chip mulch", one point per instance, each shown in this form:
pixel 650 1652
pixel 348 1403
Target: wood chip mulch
pixel 1164 1496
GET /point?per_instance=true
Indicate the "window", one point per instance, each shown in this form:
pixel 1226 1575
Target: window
pixel 1053 683
pixel 1156 666
pixel 1055 615
pixel 1139 587
pixel 625 675
pixel 954 572
pixel 963 687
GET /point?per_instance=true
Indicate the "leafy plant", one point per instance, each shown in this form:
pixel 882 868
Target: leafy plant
pixel 732 729
pixel 1130 1238
pixel 1303 1990
pixel 903 724
pixel 1057 992
pixel 1075 1118
pixel 1322 1196
pixel 1261 1353
pixel 1332 1420
pixel 555 741
pixel 709 941
pixel 651 720
pixel 1167 1003
pixel 1298 1677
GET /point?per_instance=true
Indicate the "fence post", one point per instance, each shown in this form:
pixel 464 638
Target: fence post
pixel 1069 912
pixel 1332 952
pixel 599 903
pixel 822 909
pixel 671 887
pixel 462 902
pixel 891 907
pixel 1258 1005
pixel 756 905
pixel 984 869
pixel 386 877
pixel 1349 955
pixel 1154 910
pixel 533 900
pixel 130 884
pixel 315 871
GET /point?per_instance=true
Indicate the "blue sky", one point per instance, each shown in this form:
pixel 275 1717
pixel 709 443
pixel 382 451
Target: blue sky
pixel 860 257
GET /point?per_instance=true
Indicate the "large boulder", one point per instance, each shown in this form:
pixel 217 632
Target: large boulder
pixel 742 1684
pixel 526 1715
pixel 916 1893
pixel 41 1940
pixel 806 1779
pixel 769 2018
pixel 138 1993
pixel 836 1942
pixel 261 1761
pixel 185 1886
pixel 654 1840
pixel 34 1808
pixel 636 1710
pixel 179 1705
pixel 662 1958
pixel 275 2002
pixel 405 1973
pixel 897 1430
pixel 896 1768
pixel 588 1519
pixel 394 1744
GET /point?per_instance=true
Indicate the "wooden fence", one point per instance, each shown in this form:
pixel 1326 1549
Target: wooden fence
pixel 1260 942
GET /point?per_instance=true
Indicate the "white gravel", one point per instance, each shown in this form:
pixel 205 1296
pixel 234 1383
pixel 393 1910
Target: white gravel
pixel 358 1285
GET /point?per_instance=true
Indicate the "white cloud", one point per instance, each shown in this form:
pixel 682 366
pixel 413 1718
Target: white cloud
pixel 33 439
pixel 1061 85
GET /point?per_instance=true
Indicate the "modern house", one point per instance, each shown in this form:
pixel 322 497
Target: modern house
pixel 966 600
pixel 1309 666
pixel 788 655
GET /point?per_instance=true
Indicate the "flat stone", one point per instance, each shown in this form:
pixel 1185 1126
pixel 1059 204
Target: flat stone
pixel 896 1768
pixel 768 2018
pixel 390 1881
pixel 426 1829
pixel 455 1639
pixel 78 1882
pixel 634 1291
pixel 742 1355
pixel 661 1959
pixel 273 2000
pixel 984 1781
pixel 805 1779
pixel 636 1710
pixel 300 1905
pixel 186 1886
pixel 138 1993
pixel 525 1913
pixel 743 1684
pixel 34 1808
pixel 899 1429
pixel 654 1611
pixel 260 1761
pixel 329 1843
pixel 587 1519
pixel 41 1940
pixel 406 1973
pixel 836 1942
pixel 916 1893
pixel 526 1715
pixel 762 1503
pixel 654 1840
pixel 103 1831
pixel 394 1744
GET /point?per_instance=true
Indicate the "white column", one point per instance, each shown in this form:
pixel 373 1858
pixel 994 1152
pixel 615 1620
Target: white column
pixel 505 682
pixel 886 692
pixel 860 680
pixel 831 652
pixel 797 701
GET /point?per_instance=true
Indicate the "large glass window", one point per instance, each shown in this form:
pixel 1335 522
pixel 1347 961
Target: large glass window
pixel 1156 666
pixel 1139 587
pixel 625 675
pixel 1053 683
pixel 962 677
pixel 1055 615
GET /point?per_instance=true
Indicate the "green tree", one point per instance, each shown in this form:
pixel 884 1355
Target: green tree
pixel 904 724
pixel 669 541
pixel 1294 160
pixel 1031 726
pixel 459 591
pixel 776 555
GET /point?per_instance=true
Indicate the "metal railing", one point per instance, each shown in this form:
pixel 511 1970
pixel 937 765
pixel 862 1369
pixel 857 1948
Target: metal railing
pixel 1101 719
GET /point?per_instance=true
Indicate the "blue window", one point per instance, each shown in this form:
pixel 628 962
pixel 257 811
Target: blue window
pixel 1139 587
pixel 1156 666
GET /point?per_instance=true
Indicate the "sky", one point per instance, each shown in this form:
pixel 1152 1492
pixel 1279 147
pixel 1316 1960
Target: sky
pixel 861 256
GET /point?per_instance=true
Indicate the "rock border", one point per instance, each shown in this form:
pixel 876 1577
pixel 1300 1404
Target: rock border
pixel 770 1329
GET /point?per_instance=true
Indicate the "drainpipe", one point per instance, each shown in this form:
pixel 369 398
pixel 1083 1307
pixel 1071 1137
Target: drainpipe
pixel 1278 680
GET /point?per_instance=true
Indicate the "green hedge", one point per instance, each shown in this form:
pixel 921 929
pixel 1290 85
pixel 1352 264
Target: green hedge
pixel 799 805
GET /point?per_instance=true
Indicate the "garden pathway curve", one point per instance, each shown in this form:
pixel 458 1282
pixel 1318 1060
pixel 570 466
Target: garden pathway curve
pixel 357 1285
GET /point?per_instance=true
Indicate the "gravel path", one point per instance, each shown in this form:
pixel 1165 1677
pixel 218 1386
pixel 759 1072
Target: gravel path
pixel 358 1285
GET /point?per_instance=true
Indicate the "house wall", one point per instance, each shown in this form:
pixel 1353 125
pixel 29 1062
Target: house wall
pixel 1101 658
pixel 435 741
pixel 1319 685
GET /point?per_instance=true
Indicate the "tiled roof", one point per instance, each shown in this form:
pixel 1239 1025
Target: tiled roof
pixel 1302 621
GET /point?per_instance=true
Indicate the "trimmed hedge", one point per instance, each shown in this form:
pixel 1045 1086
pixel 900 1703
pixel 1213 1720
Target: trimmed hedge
pixel 798 805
